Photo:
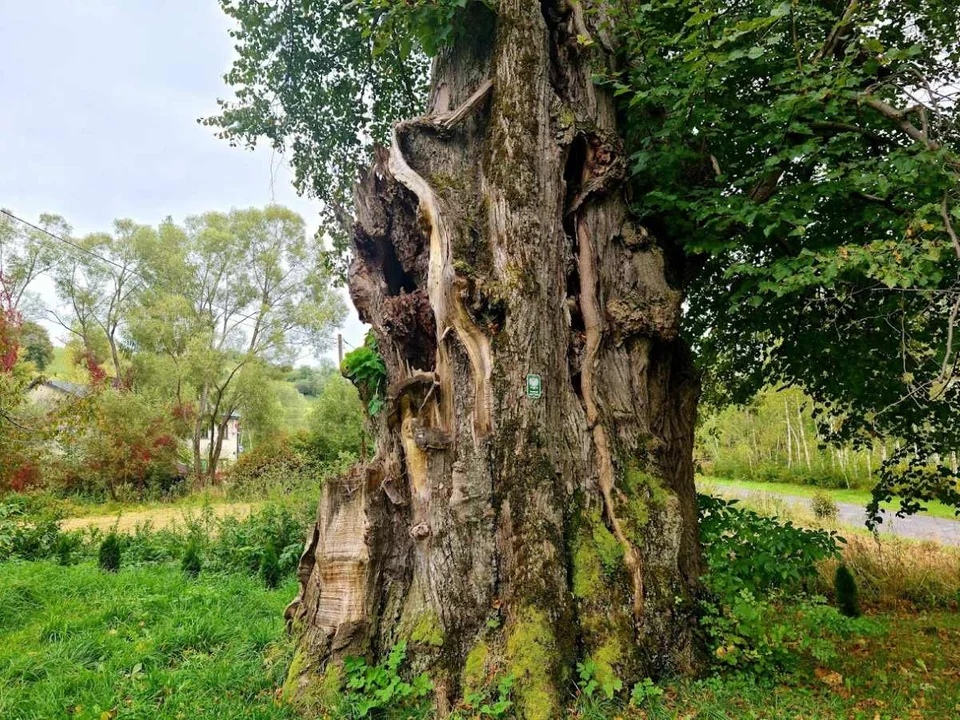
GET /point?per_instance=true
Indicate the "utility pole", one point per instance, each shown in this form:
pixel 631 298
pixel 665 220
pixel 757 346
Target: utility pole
pixel 340 347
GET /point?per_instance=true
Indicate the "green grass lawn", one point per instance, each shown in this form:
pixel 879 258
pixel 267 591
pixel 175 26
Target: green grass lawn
pixel 910 668
pixel 149 643
pixel 145 643
pixel 856 497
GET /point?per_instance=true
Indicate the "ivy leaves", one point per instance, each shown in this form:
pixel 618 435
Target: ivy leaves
pixel 365 369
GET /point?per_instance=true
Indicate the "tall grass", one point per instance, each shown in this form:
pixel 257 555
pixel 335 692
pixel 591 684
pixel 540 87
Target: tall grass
pixel 893 574
pixel 146 642
pixel 224 544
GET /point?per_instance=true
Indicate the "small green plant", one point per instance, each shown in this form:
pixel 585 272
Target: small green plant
pixel 192 563
pixel 270 566
pixel 490 701
pixel 753 562
pixel 66 547
pixel 110 552
pixel 370 691
pixel 365 369
pixel 596 692
pixel 591 681
pixel 845 586
pixel 823 506
pixel 645 694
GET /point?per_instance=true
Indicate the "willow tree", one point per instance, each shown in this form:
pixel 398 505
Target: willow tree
pixel 552 219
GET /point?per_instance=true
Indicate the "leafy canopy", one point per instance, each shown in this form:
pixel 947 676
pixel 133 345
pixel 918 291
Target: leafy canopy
pixel 803 156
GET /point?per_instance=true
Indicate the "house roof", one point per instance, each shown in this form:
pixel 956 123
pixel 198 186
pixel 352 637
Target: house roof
pixel 68 388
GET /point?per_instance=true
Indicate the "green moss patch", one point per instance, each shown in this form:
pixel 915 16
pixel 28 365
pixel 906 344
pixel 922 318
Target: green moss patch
pixel 427 630
pixel 531 659
pixel 475 668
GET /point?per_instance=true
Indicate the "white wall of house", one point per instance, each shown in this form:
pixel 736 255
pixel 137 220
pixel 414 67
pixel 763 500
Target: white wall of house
pixel 232 446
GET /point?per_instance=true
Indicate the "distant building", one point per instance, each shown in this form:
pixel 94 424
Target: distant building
pixel 232 441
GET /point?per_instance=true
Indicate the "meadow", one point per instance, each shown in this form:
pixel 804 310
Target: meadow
pixel 160 638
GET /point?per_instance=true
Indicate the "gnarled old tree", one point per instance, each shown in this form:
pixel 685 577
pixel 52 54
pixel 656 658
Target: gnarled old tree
pixel 519 220
pixel 492 242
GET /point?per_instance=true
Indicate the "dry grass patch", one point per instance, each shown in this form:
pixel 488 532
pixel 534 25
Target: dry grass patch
pixel 158 519
pixel 894 574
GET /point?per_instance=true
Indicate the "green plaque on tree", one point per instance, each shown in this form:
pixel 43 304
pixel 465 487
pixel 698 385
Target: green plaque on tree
pixel 534 386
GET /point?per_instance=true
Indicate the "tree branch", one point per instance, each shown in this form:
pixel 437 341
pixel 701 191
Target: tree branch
pixel 900 118
pixel 945 214
pixel 840 29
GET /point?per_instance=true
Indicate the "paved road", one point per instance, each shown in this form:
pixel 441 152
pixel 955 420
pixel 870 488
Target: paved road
pixel 915 527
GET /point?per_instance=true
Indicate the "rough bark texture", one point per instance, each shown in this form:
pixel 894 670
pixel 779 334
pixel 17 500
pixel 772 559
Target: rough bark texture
pixel 496 533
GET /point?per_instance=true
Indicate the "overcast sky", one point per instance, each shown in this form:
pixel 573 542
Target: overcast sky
pixel 99 101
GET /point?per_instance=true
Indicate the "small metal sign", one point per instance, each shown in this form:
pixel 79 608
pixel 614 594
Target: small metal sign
pixel 534 386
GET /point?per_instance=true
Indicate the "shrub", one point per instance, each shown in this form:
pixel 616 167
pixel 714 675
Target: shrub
pixel 191 564
pixel 67 546
pixel 122 445
pixel 270 566
pixel 752 561
pixel 110 551
pixel 846 589
pixel 26 536
pixel 746 550
pixel 275 466
pixel 824 507
pixel 241 544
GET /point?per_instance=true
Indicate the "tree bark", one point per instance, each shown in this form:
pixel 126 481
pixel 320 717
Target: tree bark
pixel 499 533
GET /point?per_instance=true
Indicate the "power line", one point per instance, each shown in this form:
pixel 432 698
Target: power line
pixel 72 244
pixel 100 257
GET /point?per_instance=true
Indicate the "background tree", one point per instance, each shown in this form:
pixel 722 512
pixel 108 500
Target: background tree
pixel 310 381
pixel 363 90
pixel 231 292
pixel 36 343
pixel 778 166
pixel 98 281
pixel 336 421
pixel 803 157
pixel 25 253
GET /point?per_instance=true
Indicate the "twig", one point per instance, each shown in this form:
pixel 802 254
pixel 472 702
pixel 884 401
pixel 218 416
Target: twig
pixel 945 214
pixel 839 29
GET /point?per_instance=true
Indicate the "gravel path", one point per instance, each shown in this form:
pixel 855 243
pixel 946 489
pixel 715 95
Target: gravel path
pixel 915 527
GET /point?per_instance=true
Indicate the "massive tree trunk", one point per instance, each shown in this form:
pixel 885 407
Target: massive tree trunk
pixel 495 532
